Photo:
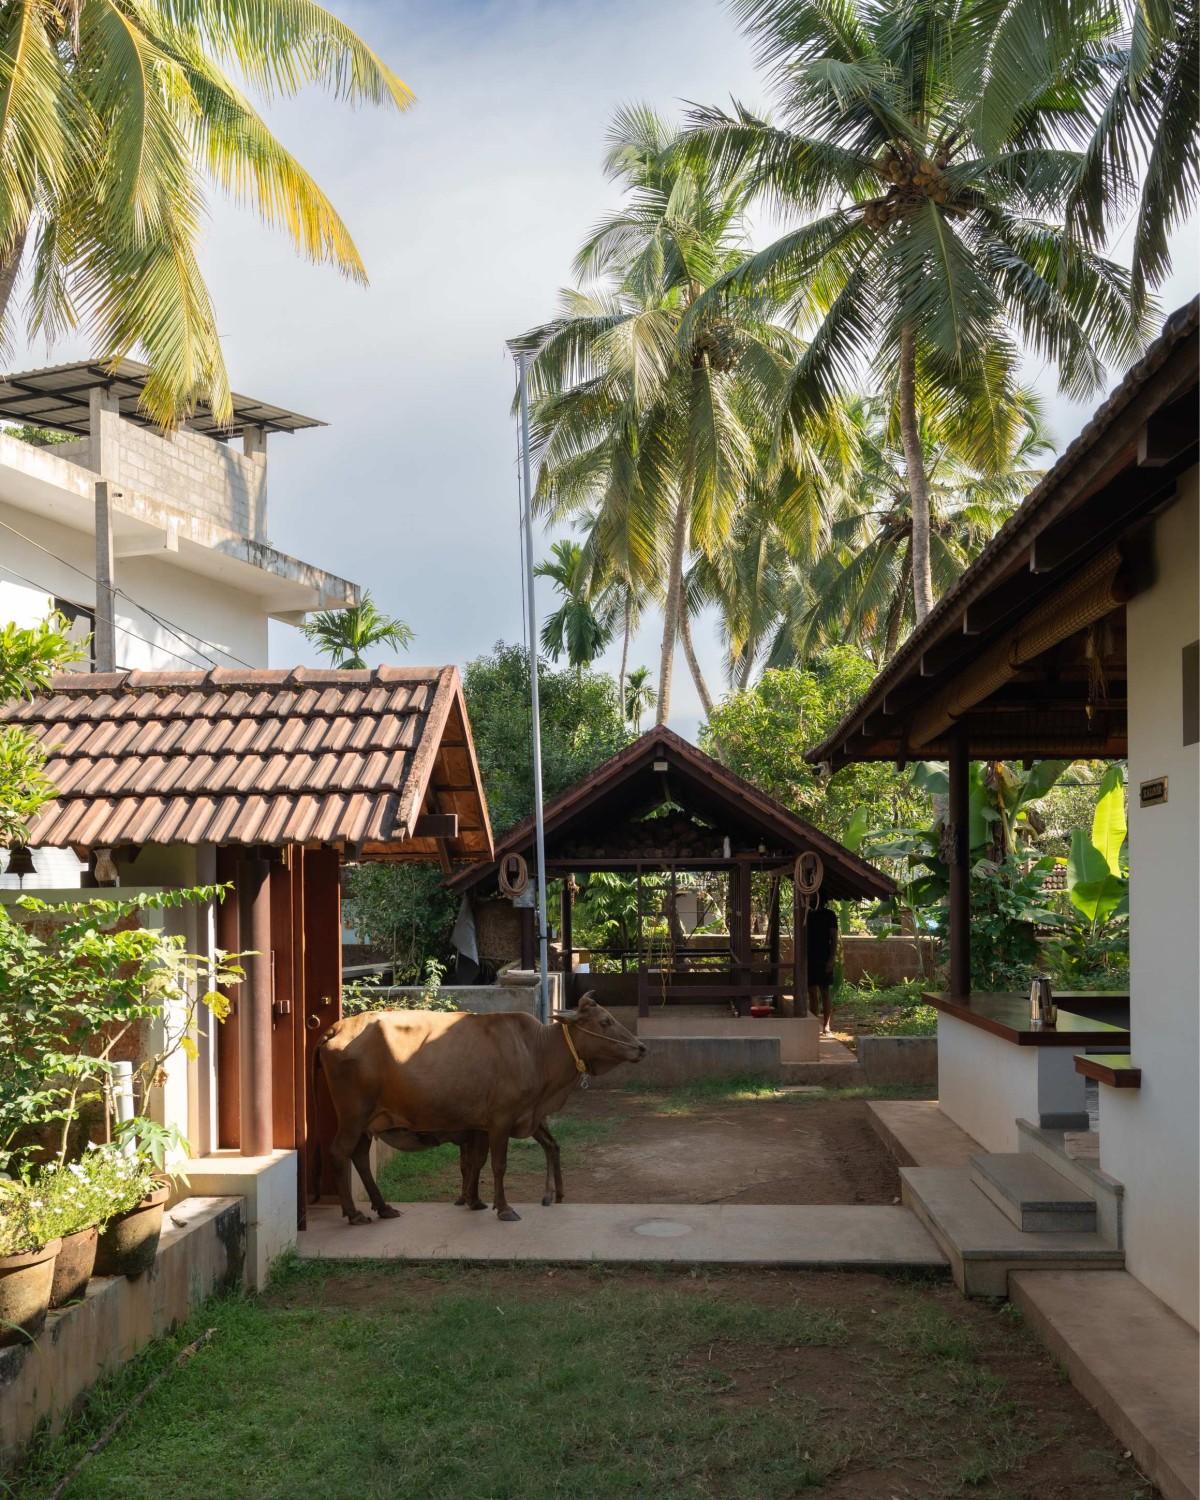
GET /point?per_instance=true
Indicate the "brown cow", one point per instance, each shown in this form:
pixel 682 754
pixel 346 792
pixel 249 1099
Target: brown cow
pixel 440 1074
pixel 472 1157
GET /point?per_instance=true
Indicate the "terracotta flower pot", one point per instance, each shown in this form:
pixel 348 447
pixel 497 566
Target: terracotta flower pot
pixel 73 1268
pixel 129 1243
pixel 25 1293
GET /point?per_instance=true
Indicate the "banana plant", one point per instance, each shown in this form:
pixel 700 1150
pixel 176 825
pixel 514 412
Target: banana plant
pixel 1097 867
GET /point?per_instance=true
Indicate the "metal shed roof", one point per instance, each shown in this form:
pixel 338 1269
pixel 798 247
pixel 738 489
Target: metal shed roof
pixel 58 396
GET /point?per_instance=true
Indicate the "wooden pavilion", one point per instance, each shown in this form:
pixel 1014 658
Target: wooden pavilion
pixel 268 780
pixel 659 809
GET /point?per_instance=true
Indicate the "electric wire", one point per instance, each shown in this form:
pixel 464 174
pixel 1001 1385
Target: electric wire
pixel 123 629
pixel 188 638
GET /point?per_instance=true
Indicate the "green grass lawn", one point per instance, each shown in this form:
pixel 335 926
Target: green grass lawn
pixel 455 1383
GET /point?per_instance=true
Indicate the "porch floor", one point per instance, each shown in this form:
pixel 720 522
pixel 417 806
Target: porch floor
pixel 856 1236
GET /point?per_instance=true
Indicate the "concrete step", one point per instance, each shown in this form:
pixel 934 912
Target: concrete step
pixel 1030 1193
pixel 835 1075
pixel 918 1134
pixel 1131 1357
pixel 1106 1192
pixel 982 1244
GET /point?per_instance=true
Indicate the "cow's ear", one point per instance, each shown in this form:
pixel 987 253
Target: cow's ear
pixel 588 1001
pixel 563 1016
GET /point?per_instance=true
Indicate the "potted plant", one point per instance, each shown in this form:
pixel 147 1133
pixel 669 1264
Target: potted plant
pixel 26 1265
pixel 149 1159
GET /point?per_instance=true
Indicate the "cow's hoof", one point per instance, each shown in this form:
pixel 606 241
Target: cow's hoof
pixel 360 1219
pixel 460 1201
pixel 547 1201
pixel 558 1197
pixel 478 1204
pixel 510 1216
pixel 387 1212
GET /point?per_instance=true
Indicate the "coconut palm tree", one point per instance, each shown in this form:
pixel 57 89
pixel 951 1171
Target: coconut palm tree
pixel 639 696
pixel 918 246
pixel 1142 152
pixel 860 589
pixel 113 119
pixel 343 635
pixel 650 422
pixel 575 627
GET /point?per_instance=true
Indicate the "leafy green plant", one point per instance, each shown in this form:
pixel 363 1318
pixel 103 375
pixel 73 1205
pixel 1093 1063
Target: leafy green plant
pixel 1007 907
pixel 362 995
pixel 75 980
pixel 20 1229
pixel 104 1182
pixel 1093 948
pixel 343 635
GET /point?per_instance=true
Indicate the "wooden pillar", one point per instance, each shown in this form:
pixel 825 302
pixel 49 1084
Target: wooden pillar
pixel 959 843
pixel 643 988
pixel 799 954
pixel 566 939
pixel 229 1103
pixel 745 934
pixel 320 898
pixel 773 942
pixel 528 947
pixel 254 1010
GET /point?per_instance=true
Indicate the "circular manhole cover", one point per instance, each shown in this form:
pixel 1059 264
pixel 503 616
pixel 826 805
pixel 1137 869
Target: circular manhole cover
pixel 662 1229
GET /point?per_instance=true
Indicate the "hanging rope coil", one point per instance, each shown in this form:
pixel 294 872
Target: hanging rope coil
pixel 807 875
pixel 513 875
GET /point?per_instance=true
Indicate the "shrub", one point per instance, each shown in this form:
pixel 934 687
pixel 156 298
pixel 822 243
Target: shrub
pixel 105 1182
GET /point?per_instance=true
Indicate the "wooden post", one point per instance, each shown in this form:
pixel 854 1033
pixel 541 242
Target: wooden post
pixel 228 1085
pixel 799 954
pixel 643 989
pixel 745 935
pixel 773 943
pixel 959 842
pixel 254 1010
pixel 566 940
pixel 528 947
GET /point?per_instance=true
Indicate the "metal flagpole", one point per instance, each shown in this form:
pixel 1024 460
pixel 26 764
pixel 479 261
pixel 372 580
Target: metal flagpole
pixel 527 484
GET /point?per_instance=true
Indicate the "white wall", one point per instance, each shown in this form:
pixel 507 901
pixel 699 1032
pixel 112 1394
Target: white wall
pixel 1150 1139
pixel 60 562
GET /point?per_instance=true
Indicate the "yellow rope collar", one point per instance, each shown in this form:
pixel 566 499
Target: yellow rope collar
pixel 580 1065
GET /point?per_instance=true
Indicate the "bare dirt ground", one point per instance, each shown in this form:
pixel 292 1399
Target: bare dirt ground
pixel 625 1147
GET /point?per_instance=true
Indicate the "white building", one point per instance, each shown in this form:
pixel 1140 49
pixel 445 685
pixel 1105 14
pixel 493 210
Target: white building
pixel 1076 634
pixel 195 579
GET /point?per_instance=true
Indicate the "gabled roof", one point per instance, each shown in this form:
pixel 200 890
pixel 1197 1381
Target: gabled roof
pixel 58 396
pixel 629 784
pixel 259 757
pixel 1118 472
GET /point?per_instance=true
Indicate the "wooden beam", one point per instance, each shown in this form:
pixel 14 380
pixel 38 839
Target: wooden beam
pixel 436 826
pixel 960 866
pixel 1168 434
pixel 1104 517
pixel 255 1007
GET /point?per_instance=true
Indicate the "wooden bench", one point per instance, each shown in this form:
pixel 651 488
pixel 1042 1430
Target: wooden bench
pixel 1113 1068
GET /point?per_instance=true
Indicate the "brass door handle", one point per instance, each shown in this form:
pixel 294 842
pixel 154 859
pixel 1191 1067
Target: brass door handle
pixel 313 1023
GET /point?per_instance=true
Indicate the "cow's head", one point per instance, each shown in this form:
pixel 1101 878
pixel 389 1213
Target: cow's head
pixel 601 1042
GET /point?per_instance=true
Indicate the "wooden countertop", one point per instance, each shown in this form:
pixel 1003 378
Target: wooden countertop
pixel 1007 1016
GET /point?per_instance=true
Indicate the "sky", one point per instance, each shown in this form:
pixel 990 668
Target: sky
pixel 467 210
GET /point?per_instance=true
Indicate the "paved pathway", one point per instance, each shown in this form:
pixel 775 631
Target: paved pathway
pixel 857 1236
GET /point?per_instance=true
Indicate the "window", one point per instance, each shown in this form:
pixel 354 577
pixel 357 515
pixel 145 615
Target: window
pixel 81 626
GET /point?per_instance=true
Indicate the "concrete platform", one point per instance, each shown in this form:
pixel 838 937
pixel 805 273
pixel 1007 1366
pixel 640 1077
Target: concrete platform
pixel 1131 1357
pixel 918 1134
pixel 982 1245
pixel 851 1236
pixel 836 1067
pixel 799 1036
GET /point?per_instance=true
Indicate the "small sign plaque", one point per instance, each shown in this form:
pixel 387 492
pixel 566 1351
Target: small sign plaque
pixel 1151 793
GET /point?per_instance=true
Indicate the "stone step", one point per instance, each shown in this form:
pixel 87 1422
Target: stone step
pixel 918 1134
pixel 1030 1193
pixel 837 1075
pixel 982 1244
pixel 1106 1192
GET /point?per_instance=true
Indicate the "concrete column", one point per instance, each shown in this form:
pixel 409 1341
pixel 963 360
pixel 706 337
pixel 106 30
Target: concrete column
pixel 254 446
pixel 104 432
pixel 104 638
pixel 254 1008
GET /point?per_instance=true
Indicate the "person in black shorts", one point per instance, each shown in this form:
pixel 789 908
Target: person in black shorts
pixel 822 955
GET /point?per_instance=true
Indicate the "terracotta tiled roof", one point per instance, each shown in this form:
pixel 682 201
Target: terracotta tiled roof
pixel 256 757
